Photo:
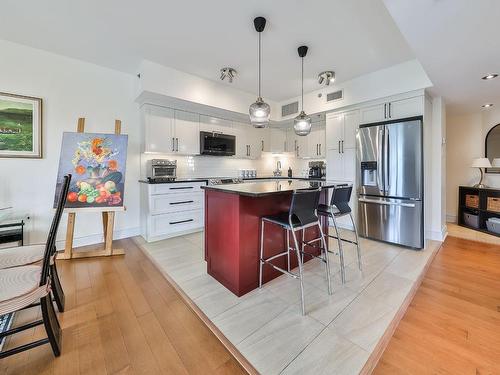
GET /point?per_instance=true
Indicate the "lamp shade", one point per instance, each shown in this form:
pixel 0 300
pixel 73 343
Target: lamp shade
pixel 481 163
pixel 496 163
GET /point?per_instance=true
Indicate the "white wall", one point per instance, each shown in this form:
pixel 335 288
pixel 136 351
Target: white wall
pixel 397 79
pixel 69 89
pixel 172 83
pixel 465 142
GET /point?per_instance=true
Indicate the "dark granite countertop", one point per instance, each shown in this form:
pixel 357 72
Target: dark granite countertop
pixel 176 181
pixel 263 188
pixel 284 177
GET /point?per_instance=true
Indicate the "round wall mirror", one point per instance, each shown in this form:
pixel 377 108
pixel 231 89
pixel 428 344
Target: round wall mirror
pixel 492 148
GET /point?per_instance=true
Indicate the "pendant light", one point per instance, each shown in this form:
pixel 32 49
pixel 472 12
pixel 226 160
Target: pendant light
pixel 302 123
pixel 259 111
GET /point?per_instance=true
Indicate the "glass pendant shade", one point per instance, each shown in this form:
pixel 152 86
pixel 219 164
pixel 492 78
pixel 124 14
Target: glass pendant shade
pixel 260 112
pixel 302 124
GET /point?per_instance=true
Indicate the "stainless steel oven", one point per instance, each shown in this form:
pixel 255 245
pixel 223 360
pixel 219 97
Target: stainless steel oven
pixel 217 144
pixel 162 169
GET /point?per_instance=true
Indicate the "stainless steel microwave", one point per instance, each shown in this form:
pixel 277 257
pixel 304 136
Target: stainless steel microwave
pixel 217 144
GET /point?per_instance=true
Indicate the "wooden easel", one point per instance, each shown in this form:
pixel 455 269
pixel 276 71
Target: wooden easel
pixel 108 220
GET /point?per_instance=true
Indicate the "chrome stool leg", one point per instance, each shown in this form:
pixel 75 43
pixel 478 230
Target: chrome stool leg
pixel 327 262
pixel 341 251
pixel 261 259
pixel 357 242
pixel 301 278
pixel 287 232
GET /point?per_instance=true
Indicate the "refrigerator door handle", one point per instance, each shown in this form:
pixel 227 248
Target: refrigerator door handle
pixel 380 160
pixel 387 158
pixel 364 200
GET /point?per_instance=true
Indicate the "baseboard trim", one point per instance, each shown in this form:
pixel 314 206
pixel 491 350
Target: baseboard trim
pixel 99 238
pixel 451 218
pixel 376 354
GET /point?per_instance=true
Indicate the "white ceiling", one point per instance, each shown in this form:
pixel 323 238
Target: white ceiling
pixel 352 37
pixel 457 42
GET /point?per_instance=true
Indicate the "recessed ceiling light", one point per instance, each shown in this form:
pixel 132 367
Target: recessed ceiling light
pixel 490 76
pixel 487 105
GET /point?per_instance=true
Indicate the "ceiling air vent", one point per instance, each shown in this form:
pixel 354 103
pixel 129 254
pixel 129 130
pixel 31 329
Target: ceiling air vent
pixel 289 109
pixel 336 95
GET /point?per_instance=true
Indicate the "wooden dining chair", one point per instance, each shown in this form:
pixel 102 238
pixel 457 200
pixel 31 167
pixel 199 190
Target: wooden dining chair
pixel 29 286
pixel 33 254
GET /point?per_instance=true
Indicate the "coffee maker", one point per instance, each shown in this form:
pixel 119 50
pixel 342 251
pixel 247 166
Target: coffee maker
pixel 317 169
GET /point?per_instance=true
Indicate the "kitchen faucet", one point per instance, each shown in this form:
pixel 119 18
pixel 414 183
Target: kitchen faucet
pixel 277 171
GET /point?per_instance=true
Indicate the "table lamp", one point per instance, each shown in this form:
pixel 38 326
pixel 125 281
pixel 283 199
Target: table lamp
pixel 481 163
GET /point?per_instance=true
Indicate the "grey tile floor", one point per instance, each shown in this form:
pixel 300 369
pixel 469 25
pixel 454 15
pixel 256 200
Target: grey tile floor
pixel 339 331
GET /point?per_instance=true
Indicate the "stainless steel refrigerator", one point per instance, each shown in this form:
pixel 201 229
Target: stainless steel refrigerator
pixel 390 182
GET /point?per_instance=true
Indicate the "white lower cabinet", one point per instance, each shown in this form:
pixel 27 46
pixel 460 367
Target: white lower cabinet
pixel 174 224
pixel 171 209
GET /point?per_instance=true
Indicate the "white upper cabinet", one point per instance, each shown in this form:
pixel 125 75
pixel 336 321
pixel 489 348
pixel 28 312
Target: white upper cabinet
pixel 248 140
pixel 168 131
pixel 341 130
pixel 158 129
pixel 334 130
pixel 351 124
pixel 316 142
pixel 278 140
pixel 406 107
pixel 393 110
pixel 187 132
pixel 215 124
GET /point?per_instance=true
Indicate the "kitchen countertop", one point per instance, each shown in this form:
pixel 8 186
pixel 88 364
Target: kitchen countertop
pixel 176 181
pixel 284 177
pixel 263 188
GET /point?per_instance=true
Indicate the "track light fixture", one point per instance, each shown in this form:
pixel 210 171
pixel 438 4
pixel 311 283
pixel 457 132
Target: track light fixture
pixel 228 73
pixel 326 77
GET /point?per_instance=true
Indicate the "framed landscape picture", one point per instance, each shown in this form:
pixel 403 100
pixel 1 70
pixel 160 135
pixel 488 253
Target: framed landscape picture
pixel 97 164
pixel 20 126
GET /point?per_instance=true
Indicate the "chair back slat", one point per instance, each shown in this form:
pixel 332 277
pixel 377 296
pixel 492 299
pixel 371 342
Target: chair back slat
pixel 304 205
pixel 51 238
pixel 340 198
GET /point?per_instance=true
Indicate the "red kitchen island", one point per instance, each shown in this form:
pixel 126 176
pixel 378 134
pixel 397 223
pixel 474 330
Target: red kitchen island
pixel 232 229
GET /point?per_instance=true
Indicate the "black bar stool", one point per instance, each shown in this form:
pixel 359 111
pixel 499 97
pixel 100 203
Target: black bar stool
pixel 338 207
pixel 301 215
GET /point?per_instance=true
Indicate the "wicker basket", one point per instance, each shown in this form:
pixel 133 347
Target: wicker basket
pixel 493 204
pixel 472 200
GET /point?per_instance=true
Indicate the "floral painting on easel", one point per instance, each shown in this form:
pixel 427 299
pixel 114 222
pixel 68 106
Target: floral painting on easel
pixel 97 165
pixel 20 126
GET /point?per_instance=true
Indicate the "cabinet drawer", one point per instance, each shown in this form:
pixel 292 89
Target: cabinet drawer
pixel 176 188
pixel 165 203
pixel 167 224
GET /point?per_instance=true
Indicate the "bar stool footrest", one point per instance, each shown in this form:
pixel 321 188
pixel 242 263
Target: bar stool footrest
pixel 280 269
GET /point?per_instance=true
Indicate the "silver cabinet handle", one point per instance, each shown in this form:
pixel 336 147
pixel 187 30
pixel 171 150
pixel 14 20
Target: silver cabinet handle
pixel 385 203
pixel 385 110
pixel 342 146
pixel 177 144
pixel 173 144
pixel 339 147
pixel 389 110
pixel 262 145
pixel 320 149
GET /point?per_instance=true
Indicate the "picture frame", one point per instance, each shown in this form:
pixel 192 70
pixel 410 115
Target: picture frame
pixel 20 126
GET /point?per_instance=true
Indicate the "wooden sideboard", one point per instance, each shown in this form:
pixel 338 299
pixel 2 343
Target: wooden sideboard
pixel 479 205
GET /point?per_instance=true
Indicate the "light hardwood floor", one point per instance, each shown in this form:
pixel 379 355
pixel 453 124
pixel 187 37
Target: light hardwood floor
pixel 122 317
pixel 453 324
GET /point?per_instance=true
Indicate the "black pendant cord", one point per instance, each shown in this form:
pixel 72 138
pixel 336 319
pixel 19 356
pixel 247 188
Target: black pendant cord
pixel 259 61
pixel 302 84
